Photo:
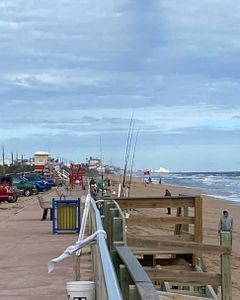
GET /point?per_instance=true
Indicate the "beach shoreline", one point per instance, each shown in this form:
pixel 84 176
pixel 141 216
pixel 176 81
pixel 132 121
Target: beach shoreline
pixel 224 185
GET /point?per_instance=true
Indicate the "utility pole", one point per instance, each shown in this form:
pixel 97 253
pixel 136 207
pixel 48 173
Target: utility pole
pixel 22 163
pixel 3 159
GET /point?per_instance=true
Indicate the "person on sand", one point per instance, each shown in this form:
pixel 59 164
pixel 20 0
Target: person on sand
pixel 226 222
pixel 167 193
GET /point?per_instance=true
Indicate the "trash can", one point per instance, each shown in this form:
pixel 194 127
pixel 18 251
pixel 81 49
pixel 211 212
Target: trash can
pixel 66 216
pixel 81 290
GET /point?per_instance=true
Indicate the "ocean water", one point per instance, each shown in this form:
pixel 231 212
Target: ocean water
pixel 225 185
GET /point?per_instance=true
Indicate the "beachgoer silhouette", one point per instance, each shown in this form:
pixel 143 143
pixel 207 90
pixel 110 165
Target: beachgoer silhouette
pixel 226 222
pixel 92 181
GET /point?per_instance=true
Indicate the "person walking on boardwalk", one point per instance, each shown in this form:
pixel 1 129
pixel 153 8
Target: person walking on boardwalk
pixel 226 222
pixel 92 181
pixel 167 193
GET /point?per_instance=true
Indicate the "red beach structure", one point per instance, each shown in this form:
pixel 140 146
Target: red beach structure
pixel 76 175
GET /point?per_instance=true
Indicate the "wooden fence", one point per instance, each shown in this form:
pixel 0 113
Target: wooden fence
pixel 161 255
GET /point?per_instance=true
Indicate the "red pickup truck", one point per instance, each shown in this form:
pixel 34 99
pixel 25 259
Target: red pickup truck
pixel 7 193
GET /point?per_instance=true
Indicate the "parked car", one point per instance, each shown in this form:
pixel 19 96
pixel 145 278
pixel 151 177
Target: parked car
pixel 50 181
pixel 38 181
pixel 6 192
pixel 24 186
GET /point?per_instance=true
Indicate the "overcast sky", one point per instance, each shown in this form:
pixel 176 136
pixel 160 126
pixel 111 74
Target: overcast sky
pixel 72 71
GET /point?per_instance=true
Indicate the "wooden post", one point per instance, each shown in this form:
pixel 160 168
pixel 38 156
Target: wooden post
pixel 132 292
pixel 107 205
pixel 107 221
pixel 125 281
pixel 178 226
pixel 114 212
pixel 185 227
pixel 198 230
pixel 117 230
pixel 115 257
pixel 198 220
pixel 77 271
pixel 226 240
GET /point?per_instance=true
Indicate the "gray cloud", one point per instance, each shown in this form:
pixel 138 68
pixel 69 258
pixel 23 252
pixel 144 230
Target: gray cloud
pixel 70 68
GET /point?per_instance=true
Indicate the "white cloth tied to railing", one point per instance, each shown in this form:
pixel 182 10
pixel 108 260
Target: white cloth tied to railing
pixel 73 248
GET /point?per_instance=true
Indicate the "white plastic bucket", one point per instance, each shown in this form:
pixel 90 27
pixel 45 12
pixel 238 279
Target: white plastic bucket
pixel 81 290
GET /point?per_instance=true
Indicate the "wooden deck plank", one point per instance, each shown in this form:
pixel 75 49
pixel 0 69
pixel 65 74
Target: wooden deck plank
pixel 175 296
pixel 145 221
pixel 180 237
pixel 184 277
pixel 175 246
pixel 155 202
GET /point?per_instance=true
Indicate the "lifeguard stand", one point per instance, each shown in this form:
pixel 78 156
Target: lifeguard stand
pixel 76 175
pixel 40 161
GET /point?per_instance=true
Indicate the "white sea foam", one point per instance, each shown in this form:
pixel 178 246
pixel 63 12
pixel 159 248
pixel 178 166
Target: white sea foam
pixel 234 198
pixel 223 185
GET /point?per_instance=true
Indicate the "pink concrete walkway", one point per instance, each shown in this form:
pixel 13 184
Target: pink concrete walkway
pixel 26 246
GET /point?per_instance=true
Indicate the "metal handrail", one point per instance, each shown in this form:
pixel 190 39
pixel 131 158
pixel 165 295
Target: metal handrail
pixel 107 285
pixel 107 272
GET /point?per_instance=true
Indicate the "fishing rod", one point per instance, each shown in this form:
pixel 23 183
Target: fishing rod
pixel 128 148
pixel 133 158
pixel 101 166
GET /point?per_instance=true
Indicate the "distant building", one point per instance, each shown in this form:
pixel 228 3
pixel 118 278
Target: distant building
pixel 41 160
pixel 162 170
pixel 93 162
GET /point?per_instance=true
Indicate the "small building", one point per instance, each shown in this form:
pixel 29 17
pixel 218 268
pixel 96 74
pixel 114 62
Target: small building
pixel 94 162
pixel 41 159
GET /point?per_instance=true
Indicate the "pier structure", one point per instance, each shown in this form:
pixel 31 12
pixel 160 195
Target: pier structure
pixel 168 264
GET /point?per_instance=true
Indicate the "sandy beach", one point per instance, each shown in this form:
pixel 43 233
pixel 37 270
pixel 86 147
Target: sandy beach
pixel 212 209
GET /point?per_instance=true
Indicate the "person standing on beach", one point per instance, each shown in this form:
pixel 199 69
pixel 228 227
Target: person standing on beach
pixel 226 222
pixel 167 193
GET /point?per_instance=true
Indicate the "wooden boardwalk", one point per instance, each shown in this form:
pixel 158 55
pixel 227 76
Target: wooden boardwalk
pixel 27 244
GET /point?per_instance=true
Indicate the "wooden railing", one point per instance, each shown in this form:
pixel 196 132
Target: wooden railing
pixel 134 282
pixel 159 254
